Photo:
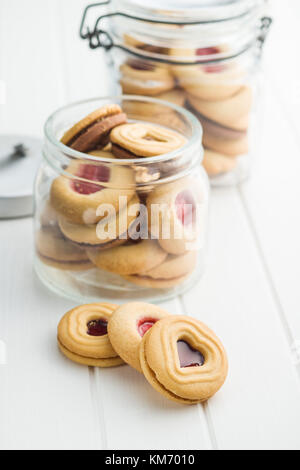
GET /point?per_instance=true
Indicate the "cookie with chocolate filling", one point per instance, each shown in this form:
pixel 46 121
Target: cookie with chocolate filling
pixel 92 132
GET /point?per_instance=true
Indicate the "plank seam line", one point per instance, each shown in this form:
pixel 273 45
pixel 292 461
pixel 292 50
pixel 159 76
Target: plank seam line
pixel 205 406
pixel 279 307
pixel 101 438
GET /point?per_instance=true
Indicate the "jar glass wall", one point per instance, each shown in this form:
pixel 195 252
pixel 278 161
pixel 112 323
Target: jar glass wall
pixel 108 227
pixel 204 58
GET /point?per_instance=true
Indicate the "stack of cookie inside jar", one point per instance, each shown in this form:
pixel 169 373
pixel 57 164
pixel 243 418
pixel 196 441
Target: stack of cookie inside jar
pixel 121 200
pixel 205 58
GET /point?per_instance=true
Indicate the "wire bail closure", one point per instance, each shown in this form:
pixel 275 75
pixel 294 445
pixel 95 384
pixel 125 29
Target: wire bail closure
pixel 99 38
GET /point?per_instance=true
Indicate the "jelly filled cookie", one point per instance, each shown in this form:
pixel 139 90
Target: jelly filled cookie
pixel 232 112
pixel 54 250
pixel 172 272
pixel 110 232
pixel 147 109
pixel 211 81
pixel 143 77
pixel 132 258
pixel 92 132
pixel 83 338
pixel 78 197
pixel 127 327
pixel 216 163
pixel 183 360
pixel 172 211
pixel 144 140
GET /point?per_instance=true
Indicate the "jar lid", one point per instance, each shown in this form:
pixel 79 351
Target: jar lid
pixel 190 10
pixel 20 157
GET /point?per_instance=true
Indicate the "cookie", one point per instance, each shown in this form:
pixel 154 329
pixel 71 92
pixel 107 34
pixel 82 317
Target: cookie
pixel 211 81
pixel 219 131
pixel 216 163
pixel 107 233
pixel 48 216
pixel 183 360
pixel 55 251
pixel 232 112
pixel 128 326
pixel 138 109
pixel 172 212
pixel 172 272
pixel 82 336
pixel 132 258
pixel 144 77
pixel 92 132
pixel 78 197
pixel 231 148
pixel 144 140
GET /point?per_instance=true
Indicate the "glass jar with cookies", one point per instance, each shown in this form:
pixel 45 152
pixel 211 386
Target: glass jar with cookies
pixel 204 57
pixel 121 200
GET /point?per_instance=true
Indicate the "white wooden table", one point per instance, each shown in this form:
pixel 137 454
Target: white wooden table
pixel 250 293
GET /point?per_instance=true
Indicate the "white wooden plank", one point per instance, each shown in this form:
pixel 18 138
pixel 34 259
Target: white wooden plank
pixel 259 406
pixel 272 197
pixel 137 417
pixel 46 401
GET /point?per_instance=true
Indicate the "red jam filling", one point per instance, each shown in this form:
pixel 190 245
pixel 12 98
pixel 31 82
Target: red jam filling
pixel 100 174
pixel 210 68
pixel 145 325
pixel 185 208
pixel 188 356
pixel 97 328
pixel 207 51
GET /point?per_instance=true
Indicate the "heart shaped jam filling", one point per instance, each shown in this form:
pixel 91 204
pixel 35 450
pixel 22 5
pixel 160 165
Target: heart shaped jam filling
pixel 97 328
pixel 188 356
pixel 144 325
pixel 185 208
pixel 91 173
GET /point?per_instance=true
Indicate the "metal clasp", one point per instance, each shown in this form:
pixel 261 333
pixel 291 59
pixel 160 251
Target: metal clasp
pixel 266 23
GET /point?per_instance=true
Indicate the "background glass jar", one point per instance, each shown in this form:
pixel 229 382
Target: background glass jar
pixel 206 58
pixel 114 228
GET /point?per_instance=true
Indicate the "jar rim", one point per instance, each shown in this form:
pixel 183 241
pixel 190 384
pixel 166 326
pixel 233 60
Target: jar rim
pixel 194 140
pixel 216 12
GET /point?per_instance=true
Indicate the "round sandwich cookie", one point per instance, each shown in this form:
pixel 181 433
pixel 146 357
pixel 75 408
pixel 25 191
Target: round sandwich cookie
pixel 137 109
pixel 48 216
pixel 82 336
pixel 55 251
pixel 128 326
pixel 172 272
pixel 79 197
pixel 232 112
pixel 210 82
pixel 144 140
pixel 231 148
pixel 143 77
pixel 219 131
pixel 131 258
pixel 216 163
pixel 92 132
pixel 172 212
pixel 183 360
pixel 107 233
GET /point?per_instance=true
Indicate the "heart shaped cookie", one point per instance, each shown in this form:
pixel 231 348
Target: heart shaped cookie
pixel 183 360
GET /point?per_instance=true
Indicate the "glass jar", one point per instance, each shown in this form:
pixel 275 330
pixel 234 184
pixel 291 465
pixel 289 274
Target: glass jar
pixel 114 228
pixel 206 58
